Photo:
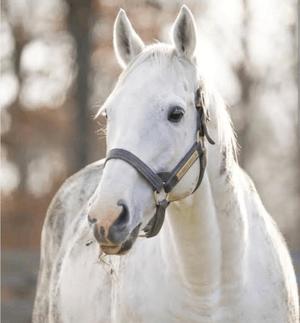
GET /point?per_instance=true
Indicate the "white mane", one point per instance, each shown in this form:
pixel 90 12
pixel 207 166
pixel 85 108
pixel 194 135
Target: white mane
pixel 221 118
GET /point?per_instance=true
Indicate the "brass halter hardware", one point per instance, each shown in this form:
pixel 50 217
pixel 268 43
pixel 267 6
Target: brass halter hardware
pixel 161 196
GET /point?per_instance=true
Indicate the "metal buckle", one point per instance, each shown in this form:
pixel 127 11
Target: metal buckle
pixel 160 196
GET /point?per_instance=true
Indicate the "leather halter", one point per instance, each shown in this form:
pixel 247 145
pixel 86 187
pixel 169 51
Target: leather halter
pixel 163 183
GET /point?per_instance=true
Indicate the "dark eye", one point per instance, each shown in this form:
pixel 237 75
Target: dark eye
pixel 104 114
pixel 175 114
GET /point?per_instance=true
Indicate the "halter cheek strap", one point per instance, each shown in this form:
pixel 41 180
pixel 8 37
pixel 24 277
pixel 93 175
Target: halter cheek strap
pixel 164 182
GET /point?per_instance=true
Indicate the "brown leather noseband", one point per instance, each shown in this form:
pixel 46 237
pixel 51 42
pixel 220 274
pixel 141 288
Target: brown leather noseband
pixel 164 182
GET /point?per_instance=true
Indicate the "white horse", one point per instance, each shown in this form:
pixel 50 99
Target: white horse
pixel 218 257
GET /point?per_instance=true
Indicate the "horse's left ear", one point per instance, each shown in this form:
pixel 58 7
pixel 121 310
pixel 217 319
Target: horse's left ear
pixel 127 43
pixel 185 33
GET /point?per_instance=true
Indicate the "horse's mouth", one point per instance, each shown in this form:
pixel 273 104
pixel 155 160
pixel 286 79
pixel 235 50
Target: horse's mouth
pixel 124 247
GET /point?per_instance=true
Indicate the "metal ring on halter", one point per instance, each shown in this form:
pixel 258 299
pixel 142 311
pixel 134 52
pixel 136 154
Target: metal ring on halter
pixel 161 196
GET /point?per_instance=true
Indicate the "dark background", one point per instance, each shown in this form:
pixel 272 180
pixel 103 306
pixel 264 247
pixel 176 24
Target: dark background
pixel 57 68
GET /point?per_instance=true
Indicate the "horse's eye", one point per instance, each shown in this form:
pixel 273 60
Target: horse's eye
pixel 104 113
pixel 175 114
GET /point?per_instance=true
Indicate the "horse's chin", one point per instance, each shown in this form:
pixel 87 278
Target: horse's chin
pixel 124 247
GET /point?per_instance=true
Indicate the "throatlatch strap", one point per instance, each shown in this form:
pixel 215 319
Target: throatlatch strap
pixel 139 165
pixel 202 166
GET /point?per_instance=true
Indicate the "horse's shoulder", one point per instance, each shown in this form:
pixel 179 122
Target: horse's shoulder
pixel 70 198
pixel 67 203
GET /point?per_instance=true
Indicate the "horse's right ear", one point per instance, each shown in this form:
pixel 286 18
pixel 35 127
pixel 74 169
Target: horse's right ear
pixel 185 33
pixel 127 43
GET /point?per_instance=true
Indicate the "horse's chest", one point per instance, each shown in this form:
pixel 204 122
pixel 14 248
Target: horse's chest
pixel 115 289
pixel 146 291
pixel 149 297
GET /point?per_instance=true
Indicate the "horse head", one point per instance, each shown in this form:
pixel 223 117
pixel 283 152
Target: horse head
pixel 151 114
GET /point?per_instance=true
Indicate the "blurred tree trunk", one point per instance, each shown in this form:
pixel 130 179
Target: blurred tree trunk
pixel 79 21
pixel 246 83
pixel 17 151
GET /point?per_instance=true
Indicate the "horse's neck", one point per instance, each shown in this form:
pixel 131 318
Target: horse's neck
pixel 205 237
pixel 193 254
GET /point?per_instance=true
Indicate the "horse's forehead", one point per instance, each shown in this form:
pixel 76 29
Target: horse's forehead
pixel 154 84
pixel 151 85
pixel 155 75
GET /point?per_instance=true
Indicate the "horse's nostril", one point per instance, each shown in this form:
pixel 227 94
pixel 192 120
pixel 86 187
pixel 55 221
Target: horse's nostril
pixel 91 219
pixel 118 230
pixel 99 233
pixel 123 218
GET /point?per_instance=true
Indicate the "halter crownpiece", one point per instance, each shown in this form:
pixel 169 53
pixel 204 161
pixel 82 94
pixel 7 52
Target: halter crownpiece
pixel 164 182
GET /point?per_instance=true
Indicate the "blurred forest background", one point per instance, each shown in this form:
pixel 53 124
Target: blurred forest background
pixel 57 68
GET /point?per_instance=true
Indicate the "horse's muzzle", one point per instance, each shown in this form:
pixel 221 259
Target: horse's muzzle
pixel 122 248
pixel 112 228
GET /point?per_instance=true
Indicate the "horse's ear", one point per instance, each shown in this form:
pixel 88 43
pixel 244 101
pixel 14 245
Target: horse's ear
pixel 127 43
pixel 185 33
